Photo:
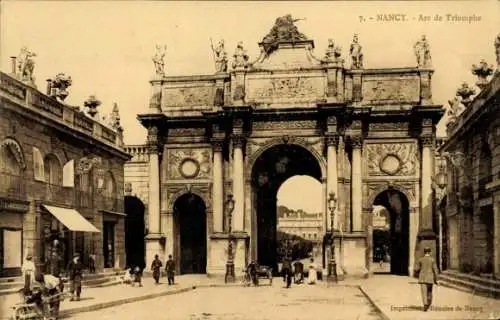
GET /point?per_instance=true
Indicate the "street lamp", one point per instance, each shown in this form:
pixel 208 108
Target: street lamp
pixel 332 264
pixel 230 277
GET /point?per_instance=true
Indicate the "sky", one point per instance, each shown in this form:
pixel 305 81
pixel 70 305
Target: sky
pixel 107 46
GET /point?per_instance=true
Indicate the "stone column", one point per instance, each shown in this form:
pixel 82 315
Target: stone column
pixel 153 237
pixel 496 238
pixel 356 184
pixel 218 187
pixel 238 184
pixel 426 183
pixel 332 141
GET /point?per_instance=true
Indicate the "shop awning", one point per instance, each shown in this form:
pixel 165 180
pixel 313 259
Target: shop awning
pixel 71 218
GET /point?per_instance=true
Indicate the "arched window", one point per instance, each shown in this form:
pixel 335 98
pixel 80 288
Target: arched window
pixel 53 170
pixel 9 163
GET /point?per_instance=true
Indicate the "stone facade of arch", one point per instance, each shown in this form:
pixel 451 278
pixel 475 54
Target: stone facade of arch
pixel 365 128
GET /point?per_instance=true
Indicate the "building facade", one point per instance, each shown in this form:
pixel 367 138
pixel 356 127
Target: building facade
pixel 61 177
pixel 303 224
pixel 471 210
pixel 367 135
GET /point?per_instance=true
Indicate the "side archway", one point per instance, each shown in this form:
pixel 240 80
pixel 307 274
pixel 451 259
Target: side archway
pixel 190 234
pixel 134 232
pixel 391 242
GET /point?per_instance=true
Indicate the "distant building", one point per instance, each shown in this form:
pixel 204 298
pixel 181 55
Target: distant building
pixel 303 224
pixel 61 176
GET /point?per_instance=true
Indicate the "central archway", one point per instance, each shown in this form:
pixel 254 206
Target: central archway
pixel 391 242
pixel 270 170
pixel 191 233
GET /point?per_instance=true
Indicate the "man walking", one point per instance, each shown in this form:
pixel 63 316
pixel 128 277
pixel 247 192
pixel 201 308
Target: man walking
pixel 156 268
pixel 75 274
pixel 170 269
pixel 427 276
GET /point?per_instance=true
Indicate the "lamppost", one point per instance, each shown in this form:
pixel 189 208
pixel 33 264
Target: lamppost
pixel 332 264
pixel 230 277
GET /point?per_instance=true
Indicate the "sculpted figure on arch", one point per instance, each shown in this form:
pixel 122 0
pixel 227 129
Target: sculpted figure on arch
pixel 422 52
pixel 158 60
pixel 356 53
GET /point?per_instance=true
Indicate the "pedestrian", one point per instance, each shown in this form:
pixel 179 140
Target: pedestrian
pixel 75 275
pixel 286 271
pixel 28 271
pixel 137 276
pixel 92 263
pixel 298 271
pixel 312 277
pixel 426 269
pixel 252 272
pixel 170 269
pixel 156 268
pixel 52 288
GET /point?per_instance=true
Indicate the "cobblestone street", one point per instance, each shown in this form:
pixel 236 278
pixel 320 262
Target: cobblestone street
pixel 240 303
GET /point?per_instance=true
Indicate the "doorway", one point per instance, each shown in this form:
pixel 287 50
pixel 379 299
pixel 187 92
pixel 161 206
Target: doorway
pixel 109 244
pixel 392 242
pixel 191 226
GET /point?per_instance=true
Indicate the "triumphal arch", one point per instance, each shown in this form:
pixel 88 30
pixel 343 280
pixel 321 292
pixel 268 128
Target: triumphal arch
pixel 365 134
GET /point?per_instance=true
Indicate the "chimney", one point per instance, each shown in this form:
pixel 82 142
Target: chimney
pixel 53 92
pixel 13 60
pixel 49 87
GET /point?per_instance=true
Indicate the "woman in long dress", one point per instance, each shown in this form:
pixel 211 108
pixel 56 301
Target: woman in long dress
pixel 313 276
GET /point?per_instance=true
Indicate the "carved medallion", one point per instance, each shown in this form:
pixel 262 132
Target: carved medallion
pixel 189 163
pixel 391 159
pixel 189 168
pixel 390 164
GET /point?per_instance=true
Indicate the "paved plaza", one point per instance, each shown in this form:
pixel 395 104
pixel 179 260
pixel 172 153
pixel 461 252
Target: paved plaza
pixel 249 303
pixel 199 297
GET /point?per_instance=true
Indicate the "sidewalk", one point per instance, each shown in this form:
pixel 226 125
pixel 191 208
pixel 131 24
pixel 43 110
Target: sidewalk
pixel 98 298
pixel 399 298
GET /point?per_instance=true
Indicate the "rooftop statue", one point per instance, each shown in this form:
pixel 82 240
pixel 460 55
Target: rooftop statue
pixel 423 53
pixel 455 108
pixel 26 65
pixel 284 30
pixel 240 56
pixel 220 56
pixel 356 53
pixel 158 60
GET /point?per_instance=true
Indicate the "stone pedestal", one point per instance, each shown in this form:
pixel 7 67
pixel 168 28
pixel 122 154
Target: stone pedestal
pixel 354 255
pixel 218 255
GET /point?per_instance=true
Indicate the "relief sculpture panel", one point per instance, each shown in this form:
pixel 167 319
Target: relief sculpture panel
pixel 391 90
pixel 393 159
pixel 189 164
pixel 286 89
pixel 191 96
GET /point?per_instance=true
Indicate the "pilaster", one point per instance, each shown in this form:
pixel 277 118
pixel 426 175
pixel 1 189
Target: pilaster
pixel 357 183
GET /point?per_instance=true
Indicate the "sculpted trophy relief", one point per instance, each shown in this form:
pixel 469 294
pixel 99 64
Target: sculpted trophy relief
pixel 240 57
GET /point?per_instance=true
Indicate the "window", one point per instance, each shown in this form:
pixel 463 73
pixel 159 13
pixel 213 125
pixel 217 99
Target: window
pixel 53 170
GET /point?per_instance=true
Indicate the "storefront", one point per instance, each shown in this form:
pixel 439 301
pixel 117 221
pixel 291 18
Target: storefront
pixel 11 236
pixel 64 232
